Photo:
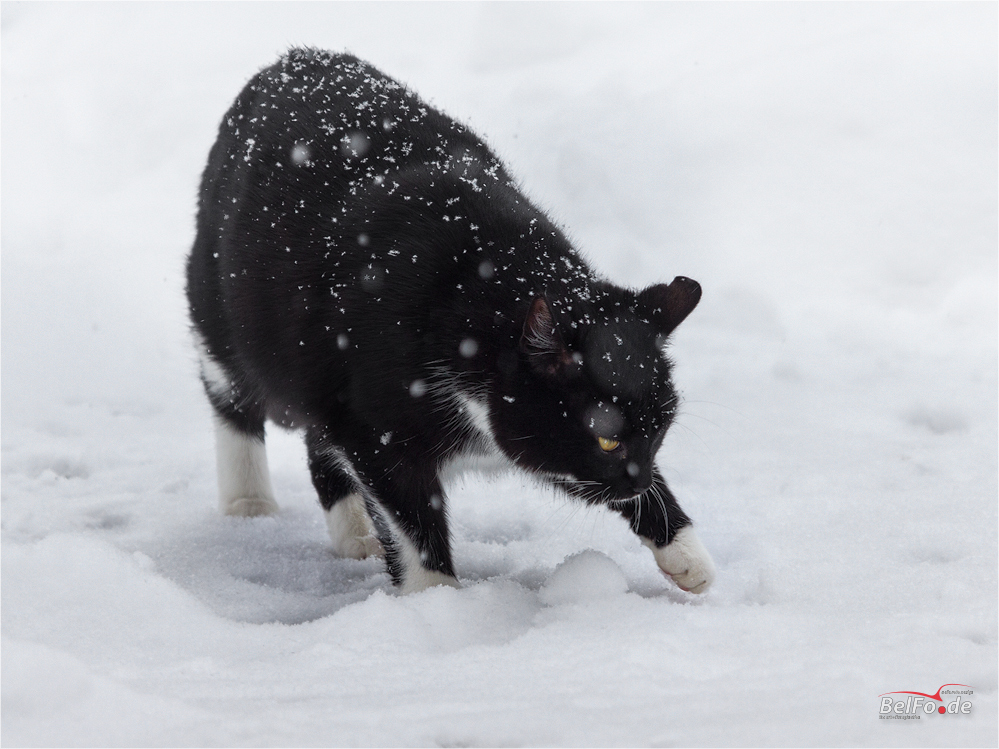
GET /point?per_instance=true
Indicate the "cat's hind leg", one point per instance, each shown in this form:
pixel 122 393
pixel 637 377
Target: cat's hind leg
pixel 244 480
pixel 351 531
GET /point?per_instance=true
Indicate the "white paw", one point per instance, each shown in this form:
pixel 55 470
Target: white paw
pixel 249 507
pixel 351 530
pixel 359 547
pixel 417 579
pixel 685 560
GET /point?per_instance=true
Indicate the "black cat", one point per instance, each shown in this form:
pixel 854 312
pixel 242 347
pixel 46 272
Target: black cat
pixel 366 270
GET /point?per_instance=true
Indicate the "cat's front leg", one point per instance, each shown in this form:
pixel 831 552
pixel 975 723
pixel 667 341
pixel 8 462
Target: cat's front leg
pixel 413 529
pixel 661 525
pixel 408 515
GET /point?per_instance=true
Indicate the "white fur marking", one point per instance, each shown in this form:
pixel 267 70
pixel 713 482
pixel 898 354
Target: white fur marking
pixel 218 382
pixel 351 529
pixel 685 560
pixel 244 480
pixel 215 377
pixel 478 416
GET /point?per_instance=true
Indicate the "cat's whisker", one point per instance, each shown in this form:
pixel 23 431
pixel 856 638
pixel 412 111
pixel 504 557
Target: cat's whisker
pixel 658 496
pixel 688 430
pixel 736 411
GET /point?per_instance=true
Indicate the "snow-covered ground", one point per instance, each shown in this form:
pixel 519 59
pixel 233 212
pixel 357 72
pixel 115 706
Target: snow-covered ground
pixel 826 171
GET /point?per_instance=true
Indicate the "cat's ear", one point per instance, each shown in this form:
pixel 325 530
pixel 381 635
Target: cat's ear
pixel 669 304
pixel 545 350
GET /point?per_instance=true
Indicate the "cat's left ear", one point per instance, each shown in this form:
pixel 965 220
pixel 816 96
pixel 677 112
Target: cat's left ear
pixel 546 352
pixel 669 304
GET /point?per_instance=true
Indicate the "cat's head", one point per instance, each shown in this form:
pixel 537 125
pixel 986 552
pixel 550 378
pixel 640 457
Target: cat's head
pixel 590 397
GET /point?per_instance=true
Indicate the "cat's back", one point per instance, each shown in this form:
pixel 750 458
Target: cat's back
pixel 328 123
pixel 313 149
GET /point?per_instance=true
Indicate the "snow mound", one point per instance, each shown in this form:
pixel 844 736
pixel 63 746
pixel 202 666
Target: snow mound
pixel 586 576
pixel 40 682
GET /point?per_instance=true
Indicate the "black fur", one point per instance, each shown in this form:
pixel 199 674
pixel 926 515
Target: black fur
pixel 364 267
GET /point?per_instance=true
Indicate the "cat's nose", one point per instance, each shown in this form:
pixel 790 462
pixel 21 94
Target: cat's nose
pixel 641 478
pixel 641 487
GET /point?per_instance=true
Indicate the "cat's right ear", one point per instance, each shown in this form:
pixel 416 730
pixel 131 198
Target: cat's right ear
pixel 541 341
pixel 669 304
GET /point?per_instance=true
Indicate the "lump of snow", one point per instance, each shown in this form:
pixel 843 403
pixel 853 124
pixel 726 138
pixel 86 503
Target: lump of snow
pixel 604 420
pixel 372 278
pixel 585 576
pixel 468 347
pixel 354 145
pixel 300 154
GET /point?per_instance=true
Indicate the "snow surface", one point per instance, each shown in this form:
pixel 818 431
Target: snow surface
pixel 826 171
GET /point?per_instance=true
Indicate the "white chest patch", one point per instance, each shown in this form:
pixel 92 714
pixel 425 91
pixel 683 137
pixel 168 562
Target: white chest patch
pixel 485 456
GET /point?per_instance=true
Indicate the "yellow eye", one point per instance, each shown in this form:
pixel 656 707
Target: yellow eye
pixel 607 445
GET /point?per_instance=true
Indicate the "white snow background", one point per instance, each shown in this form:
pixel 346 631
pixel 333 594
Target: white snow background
pixel 826 171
